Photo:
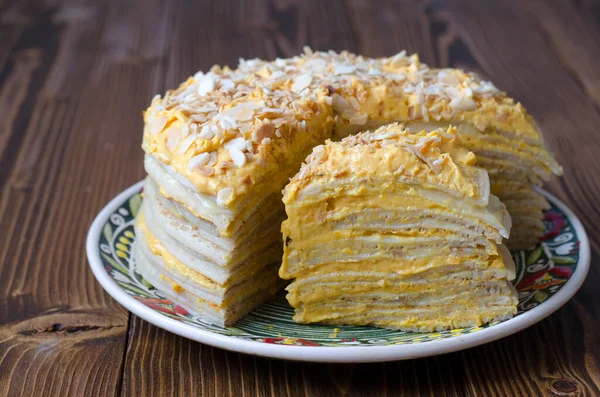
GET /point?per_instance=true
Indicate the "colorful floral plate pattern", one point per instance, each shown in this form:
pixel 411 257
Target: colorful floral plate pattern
pixel 547 276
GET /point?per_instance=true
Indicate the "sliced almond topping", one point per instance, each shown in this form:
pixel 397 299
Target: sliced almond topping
pixel 301 82
pixel 186 143
pixel 227 85
pixel 241 112
pixel 173 136
pixel 245 128
pixel 198 161
pixel 359 120
pixel 226 165
pixel 446 77
pixel 462 103
pixel 185 130
pixel 340 104
pixel 354 103
pixel 224 195
pixel 212 159
pixel 238 157
pixel 236 143
pixel 385 135
pixel 206 171
pixel 206 84
pixel 265 130
pixel 344 69
pixel 206 132
pixel 227 122
pixel 157 123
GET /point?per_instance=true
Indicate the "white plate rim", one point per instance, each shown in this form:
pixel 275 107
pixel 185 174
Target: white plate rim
pixel 336 354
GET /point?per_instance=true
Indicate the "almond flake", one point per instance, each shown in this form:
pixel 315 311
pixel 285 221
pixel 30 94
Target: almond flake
pixel 354 103
pixel 227 85
pixel 206 132
pixel 237 143
pixel 238 157
pixel 157 123
pixel 266 141
pixel 359 120
pixel 241 112
pixel 227 123
pixel 460 103
pixel 245 128
pixel 385 135
pixel 173 137
pixel 301 83
pixel 224 195
pixel 198 161
pixel 206 171
pixel 447 77
pixel 344 69
pixel 212 160
pixel 185 130
pixel 206 84
pixel 186 143
pixel 340 104
pixel 263 87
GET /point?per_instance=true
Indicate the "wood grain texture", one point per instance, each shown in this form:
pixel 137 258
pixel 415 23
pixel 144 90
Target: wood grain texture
pixel 74 84
pixel 74 77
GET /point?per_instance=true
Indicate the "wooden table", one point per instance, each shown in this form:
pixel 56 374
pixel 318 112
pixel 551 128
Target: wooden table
pixel 74 78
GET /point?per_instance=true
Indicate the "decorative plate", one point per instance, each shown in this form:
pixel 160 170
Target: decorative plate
pixel 548 275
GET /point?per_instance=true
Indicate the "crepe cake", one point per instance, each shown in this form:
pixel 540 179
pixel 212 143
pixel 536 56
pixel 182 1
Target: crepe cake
pixel 221 146
pixel 396 230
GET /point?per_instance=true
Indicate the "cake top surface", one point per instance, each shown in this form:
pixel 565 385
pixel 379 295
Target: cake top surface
pixel 230 131
pixel 431 160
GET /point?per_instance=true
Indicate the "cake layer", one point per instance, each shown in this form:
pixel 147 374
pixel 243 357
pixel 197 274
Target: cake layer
pixel 199 280
pixel 399 267
pixel 203 250
pixel 411 291
pixel 434 319
pixel 202 287
pixel 150 268
pixel 228 222
pixel 336 205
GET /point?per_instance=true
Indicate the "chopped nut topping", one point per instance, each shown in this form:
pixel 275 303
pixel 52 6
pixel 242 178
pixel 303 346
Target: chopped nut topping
pixel 224 195
pixel 157 124
pixel 265 130
pixel 206 85
pixel 198 160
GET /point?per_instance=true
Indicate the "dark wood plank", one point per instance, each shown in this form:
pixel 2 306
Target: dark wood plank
pixel 75 83
pixel 573 33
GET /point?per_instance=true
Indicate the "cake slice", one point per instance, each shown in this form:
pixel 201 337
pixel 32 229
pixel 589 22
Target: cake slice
pixel 396 230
